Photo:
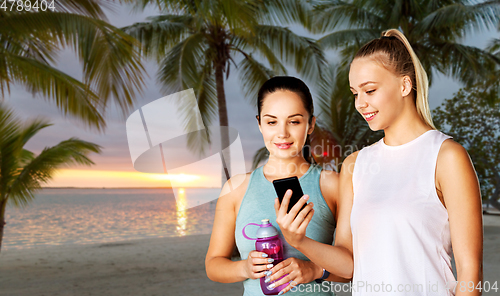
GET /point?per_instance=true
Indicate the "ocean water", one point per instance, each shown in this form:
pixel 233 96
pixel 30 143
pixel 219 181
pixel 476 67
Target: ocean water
pixel 85 216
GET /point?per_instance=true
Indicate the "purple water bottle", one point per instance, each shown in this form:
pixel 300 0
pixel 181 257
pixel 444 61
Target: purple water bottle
pixel 269 242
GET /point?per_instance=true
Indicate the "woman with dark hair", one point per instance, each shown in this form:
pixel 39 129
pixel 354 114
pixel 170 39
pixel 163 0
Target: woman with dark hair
pixel 407 198
pixel 285 118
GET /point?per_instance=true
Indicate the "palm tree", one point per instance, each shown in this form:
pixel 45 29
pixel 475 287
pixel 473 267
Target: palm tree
pixel 195 42
pixel 29 42
pixel 22 172
pixel 492 85
pixel 433 28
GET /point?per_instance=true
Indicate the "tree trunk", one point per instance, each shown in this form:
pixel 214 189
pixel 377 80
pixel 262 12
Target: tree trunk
pixel 223 120
pixel 3 205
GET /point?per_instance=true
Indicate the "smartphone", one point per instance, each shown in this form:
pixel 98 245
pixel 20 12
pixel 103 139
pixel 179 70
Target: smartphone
pixel 282 185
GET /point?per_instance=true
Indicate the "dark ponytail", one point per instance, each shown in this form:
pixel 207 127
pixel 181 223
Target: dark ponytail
pixel 297 86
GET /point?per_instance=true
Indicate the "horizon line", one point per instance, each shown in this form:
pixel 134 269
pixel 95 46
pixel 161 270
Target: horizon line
pixel 72 187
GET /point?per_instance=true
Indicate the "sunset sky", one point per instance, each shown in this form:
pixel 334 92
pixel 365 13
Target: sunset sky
pixel 113 167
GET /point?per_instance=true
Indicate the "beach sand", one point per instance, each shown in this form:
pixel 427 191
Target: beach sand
pixel 156 266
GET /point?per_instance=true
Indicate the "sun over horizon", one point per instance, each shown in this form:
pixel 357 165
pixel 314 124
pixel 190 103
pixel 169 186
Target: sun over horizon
pixel 80 178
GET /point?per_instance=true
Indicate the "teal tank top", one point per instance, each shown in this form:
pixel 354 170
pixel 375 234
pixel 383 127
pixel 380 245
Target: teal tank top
pixel 258 204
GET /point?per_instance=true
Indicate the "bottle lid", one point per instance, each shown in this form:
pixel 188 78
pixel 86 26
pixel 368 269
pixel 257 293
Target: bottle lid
pixel 266 229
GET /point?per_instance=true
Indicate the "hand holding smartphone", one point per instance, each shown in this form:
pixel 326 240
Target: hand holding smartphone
pixel 282 185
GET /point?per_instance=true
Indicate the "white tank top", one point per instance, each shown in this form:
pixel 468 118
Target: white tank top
pixel 400 228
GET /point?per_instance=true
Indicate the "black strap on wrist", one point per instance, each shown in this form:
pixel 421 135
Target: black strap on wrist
pixel 323 277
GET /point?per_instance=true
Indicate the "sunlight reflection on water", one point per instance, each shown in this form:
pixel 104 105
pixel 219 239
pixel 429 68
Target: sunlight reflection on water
pixel 83 216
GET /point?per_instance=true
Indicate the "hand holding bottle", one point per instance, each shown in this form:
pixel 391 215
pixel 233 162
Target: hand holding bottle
pixel 268 242
pixel 257 263
pixel 296 271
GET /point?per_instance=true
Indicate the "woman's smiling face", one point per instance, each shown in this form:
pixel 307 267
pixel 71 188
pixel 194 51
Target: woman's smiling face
pixel 284 124
pixel 378 93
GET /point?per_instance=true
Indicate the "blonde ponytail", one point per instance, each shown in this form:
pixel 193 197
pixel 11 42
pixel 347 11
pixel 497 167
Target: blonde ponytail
pixel 395 53
pixel 422 88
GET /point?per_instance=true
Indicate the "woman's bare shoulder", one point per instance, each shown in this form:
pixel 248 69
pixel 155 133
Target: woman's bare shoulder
pixel 236 184
pixel 452 158
pixel 348 163
pixel 329 180
pixel 233 191
pixel 329 184
pixel 450 149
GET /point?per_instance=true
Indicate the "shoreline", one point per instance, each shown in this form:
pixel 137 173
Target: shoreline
pixel 41 247
pixel 149 266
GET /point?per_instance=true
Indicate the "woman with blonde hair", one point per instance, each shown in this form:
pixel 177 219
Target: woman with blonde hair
pixel 405 200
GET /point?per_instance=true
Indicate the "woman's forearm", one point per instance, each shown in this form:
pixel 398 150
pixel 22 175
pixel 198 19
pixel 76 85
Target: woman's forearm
pixel 335 278
pixel 469 280
pixel 335 259
pixel 224 270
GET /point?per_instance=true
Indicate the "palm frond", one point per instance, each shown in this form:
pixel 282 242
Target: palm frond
pixel 167 6
pixel 91 8
pixel 492 85
pixel 338 115
pixel 494 47
pixel 301 52
pixel 42 48
pixel 396 13
pixel 31 130
pixel 41 169
pixel 332 15
pixel 236 13
pixel 160 34
pixel 261 155
pixel 348 37
pixel 282 12
pixel 206 94
pixel 460 18
pixel 25 157
pixel 179 69
pixel 244 44
pixel 335 101
pixel 9 147
pixel 70 95
pixel 467 64
pixel 112 66
pixel 253 74
pixel 14 137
